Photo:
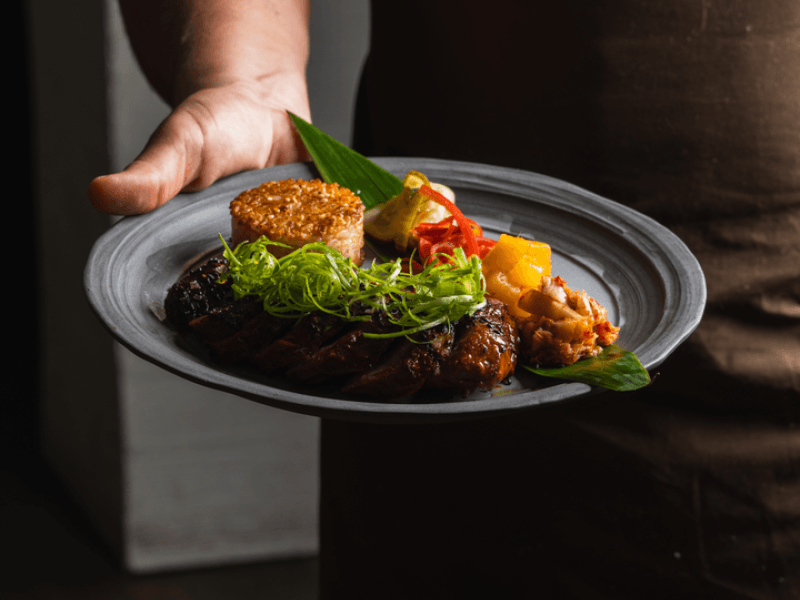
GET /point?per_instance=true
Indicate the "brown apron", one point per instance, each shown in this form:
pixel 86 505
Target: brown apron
pixel 690 113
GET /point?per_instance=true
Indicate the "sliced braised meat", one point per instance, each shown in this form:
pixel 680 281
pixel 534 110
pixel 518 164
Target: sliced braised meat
pixel 198 293
pixel 260 331
pixel 477 353
pixel 406 366
pixel 484 353
pixel 226 321
pixel 301 341
pixel 348 354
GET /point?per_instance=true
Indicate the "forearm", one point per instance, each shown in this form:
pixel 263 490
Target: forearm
pixel 187 45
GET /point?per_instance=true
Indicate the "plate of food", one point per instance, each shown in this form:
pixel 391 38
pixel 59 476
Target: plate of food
pixel 647 284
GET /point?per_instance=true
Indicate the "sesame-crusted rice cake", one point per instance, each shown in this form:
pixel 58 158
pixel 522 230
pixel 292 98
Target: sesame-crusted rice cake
pixel 298 212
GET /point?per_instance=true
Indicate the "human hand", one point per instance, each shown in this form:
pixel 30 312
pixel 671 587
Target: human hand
pixel 215 132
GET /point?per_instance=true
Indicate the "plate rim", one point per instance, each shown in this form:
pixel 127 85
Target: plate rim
pixel 674 261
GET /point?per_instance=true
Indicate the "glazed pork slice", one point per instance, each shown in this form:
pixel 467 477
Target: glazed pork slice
pixel 260 331
pixel 302 340
pixel 348 354
pixel 198 293
pixel 484 353
pixel 406 365
pixel 226 321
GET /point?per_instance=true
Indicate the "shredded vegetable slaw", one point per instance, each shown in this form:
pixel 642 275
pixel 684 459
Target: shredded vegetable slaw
pixel 319 278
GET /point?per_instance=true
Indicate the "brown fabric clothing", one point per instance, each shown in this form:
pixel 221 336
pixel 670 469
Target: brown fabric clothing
pixel 688 111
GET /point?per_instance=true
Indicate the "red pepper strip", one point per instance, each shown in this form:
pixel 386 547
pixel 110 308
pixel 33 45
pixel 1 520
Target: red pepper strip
pixel 435 240
pixel 442 226
pixel 424 246
pixel 412 266
pixel 463 222
pixel 485 245
pixel 429 247
pixel 444 247
pixel 431 234
pixel 438 230
pixel 445 228
pixel 431 239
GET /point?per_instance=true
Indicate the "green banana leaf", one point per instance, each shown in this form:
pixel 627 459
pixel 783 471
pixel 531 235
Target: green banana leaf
pixel 614 369
pixel 339 164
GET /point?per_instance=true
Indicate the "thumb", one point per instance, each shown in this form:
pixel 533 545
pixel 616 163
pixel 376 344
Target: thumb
pixel 167 164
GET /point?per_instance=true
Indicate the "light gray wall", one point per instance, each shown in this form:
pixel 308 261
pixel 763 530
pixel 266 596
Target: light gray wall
pixel 339 42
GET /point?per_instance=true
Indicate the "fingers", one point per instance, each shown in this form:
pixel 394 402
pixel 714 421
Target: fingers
pixel 128 193
pixel 214 133
pixel 156 176
pixel 288 147
pixel 170 160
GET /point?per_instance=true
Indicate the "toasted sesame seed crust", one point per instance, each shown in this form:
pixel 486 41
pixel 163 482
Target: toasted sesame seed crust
pixel 297 212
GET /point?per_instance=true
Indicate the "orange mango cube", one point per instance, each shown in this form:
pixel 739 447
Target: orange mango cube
pixel 523 262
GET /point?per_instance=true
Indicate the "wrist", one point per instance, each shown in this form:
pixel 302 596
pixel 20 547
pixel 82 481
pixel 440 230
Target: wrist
pixel 250 40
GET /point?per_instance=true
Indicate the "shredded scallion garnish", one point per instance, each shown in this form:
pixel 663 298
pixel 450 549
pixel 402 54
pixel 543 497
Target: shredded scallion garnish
pixel 317 277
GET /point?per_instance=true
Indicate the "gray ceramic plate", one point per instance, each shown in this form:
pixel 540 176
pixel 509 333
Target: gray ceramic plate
pixel 646 277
